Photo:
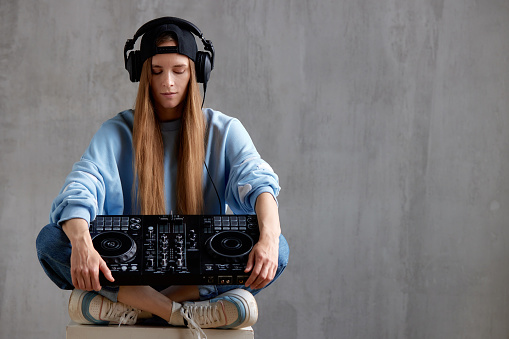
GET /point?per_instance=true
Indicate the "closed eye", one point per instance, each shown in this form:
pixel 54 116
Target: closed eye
pixel 179 69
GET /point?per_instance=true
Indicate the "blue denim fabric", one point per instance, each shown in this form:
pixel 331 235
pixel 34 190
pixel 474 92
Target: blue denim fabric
pixel 54 252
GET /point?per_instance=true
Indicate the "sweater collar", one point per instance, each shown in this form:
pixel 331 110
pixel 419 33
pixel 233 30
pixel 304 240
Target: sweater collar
pixel 173 125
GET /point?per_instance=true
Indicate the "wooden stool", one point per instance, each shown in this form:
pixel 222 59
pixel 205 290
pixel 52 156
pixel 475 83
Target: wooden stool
pixel 77 331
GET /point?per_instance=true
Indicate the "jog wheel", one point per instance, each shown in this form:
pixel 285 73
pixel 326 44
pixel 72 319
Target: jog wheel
pixel 115 247
pixel 230 245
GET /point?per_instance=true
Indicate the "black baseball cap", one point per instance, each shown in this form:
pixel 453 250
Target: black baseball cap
pixel 186 43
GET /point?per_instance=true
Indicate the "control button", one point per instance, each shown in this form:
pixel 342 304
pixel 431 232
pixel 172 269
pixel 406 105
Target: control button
pixel 217 221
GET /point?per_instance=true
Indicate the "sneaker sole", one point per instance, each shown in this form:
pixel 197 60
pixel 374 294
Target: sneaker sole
pixel 75 304
pixel 249 302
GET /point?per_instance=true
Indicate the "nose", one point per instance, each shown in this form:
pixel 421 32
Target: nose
pixel 168 80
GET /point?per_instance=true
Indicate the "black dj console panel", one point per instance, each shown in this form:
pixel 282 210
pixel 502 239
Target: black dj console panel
pixel 175 249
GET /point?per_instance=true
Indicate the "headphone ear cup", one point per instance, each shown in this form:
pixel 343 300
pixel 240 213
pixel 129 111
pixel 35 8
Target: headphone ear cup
pixel 203 67
pixel 133 66
pixel 129 65
pixel 137 65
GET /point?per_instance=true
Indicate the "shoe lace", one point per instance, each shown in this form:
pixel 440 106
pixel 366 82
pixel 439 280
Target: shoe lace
pixel 200 315
pixel 125 314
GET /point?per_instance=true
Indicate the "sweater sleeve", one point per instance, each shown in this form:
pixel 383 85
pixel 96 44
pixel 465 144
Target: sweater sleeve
pixel 249 175
pixel 82 194
pixel 94 185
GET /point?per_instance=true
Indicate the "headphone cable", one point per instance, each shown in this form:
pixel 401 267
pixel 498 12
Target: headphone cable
pixel 215 189
pixel 204 93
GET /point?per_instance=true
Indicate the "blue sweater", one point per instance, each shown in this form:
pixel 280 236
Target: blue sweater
pixel 102 181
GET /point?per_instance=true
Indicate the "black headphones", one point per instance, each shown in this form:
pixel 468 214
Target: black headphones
pixel 204 61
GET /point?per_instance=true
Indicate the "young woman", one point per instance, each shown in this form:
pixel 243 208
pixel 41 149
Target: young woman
pixel 166 156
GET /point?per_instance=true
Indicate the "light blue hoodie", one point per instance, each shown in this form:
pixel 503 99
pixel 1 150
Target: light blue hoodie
pixel 102 181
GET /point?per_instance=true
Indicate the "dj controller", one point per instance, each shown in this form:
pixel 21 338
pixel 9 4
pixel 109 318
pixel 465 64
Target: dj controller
pixel 175 249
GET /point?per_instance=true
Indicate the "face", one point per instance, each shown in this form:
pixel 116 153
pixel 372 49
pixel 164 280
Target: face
pixel 169 82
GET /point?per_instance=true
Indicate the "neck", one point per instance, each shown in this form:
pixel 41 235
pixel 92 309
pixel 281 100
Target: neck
pixel 169 114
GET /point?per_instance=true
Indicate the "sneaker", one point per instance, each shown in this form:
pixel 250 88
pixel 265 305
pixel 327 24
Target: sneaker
pixel 233 309
pixel 92 308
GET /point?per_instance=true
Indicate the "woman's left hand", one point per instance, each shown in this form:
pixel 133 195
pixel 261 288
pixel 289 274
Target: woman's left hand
pixel 262 263
pixel 263 259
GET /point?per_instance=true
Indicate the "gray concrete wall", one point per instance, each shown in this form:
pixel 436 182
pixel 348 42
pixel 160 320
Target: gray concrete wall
pixel 387 121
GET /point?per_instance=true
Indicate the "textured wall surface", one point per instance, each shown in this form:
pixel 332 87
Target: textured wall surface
pixel 387 121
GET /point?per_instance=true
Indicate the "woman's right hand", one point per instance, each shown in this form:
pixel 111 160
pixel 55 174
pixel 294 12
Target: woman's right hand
pixel 86 262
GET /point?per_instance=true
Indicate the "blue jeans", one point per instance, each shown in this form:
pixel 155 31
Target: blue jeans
pixel 54 252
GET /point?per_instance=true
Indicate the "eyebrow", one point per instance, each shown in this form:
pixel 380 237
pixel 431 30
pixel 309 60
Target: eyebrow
pixel 179 65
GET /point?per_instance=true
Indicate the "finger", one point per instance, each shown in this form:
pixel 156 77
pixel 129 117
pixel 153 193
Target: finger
pixel 253 276
pixel 87 279
pixel 77 279
pixel 262 280
pixel 75 282
pixel 260 285
pixel 95 279
pixel 273 274
pixel 106 271
pixel 266 275
pixel 80 283
pixel 250 261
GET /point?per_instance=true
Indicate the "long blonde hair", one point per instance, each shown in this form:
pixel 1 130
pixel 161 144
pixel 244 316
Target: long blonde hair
pixel 149 150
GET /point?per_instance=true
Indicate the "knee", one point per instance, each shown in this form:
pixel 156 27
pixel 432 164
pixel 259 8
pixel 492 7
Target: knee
pixel 42 238
pixel 54 252
pixel 284 252
pixel 48 237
